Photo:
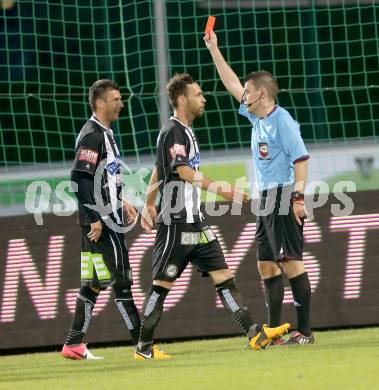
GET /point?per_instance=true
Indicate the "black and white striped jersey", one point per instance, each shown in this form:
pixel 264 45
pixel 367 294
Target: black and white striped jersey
pixel 180 201
pixel 97 155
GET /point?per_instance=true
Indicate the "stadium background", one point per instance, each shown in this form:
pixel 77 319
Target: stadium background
pixel 325 57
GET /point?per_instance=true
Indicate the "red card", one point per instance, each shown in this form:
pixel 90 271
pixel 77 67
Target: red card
pixel 210 24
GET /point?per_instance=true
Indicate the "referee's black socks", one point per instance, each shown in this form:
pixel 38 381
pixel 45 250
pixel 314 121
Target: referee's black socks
pixel 151 314
pixel 301 290
pixel 85 302
pixel 128 310
pixel 232 301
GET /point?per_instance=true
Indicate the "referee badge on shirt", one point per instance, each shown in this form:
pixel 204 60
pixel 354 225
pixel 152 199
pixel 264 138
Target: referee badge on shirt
pixel 263 149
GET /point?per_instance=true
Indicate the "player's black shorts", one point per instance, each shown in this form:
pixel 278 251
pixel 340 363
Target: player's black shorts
pixel 278 235
pixel 178 244
pixel 106 262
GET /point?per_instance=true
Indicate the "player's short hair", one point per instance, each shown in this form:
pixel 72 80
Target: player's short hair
pixel 177 86
pixel 97 90
pixel 264 79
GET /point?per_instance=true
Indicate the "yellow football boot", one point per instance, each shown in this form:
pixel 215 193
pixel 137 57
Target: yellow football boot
pixel 155 353
pixel 268 335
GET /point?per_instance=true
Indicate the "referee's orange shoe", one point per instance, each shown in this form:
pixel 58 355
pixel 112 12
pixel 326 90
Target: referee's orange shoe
pixel 268 335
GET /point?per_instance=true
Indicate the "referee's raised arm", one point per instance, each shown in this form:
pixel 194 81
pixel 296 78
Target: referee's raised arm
pixel 228 77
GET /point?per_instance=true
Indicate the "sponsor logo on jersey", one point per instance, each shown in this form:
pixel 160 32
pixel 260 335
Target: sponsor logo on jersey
pixel 263 149
pixel 195 161
pixel 88 155
pixel 178 150
pixel 113 167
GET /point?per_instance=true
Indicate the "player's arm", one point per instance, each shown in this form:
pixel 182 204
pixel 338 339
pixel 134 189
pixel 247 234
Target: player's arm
pixel 82 174
pixel 130 211
pixel 197 179
pixel 85 193
pixel 301 174
pixel 177 150
pixel 228 77
pixel 149 212
pixel 294 146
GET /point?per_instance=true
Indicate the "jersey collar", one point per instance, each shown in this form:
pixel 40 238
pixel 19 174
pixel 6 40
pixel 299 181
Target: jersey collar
pixel 271 112
pixel 94 119
pixel 178 120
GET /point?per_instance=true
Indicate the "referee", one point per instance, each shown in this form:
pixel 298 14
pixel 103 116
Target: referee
pixel 281 167
pixel 183 235
pixel 104 257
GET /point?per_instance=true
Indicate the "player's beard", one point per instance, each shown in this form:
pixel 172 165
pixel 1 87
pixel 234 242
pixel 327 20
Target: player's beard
pixel 196 112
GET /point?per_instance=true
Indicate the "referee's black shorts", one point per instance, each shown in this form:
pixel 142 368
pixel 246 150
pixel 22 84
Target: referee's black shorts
pixel 106 262
pixel 178 244
pixel 278 235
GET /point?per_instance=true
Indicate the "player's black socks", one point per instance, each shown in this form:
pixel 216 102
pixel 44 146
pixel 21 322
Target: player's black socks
pixel 151 314
pixel 128 310
pixel 85 302
pixel 301 290
pixel 274 293
pixel 232 301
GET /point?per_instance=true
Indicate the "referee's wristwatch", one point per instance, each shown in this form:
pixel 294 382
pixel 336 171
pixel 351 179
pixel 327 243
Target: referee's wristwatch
pixel 296 195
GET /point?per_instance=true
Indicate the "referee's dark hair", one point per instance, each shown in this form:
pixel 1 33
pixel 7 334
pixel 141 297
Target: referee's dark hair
pixel 177 86
pixel 264 79
pixel 97 90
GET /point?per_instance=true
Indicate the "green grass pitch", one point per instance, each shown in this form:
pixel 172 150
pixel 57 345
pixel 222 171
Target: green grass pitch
pixel 362 183
pixel 228 172
pixel 345 359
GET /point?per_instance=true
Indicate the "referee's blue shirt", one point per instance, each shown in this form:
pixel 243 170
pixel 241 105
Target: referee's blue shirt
pixel 277 145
